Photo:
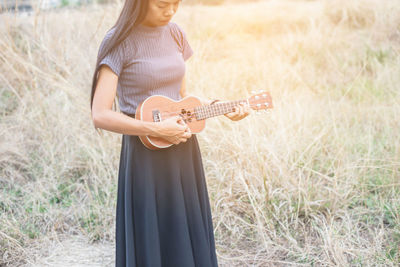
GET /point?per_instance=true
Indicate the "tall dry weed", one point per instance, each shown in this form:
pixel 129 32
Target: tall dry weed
pixel 315 182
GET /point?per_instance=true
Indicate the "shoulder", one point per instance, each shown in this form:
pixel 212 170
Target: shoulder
pixel 109 37
pixel 109 34
pixel 176 30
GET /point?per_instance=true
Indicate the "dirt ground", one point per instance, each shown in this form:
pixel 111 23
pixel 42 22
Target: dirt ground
pixel 74 252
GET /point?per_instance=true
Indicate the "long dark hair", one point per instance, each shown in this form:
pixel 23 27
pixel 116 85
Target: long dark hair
pixel 132 14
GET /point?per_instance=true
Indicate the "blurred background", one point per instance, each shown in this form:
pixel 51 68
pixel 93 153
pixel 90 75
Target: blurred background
pixel 28 5
pixel 315 182
pixel 25 5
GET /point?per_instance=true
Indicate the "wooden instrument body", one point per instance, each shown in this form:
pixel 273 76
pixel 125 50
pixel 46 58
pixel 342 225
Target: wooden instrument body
pixel 157 108
pixel 167 108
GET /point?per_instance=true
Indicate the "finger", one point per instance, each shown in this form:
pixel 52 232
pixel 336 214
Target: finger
pixel 174 140
pixel 184 136
pixel 186 129
pixel 187 135
pixel 238 109
pixel 241 110
pixel 248 109
pixel 231 115
pixel 180 120
pixel 182 139
pixel 235 110
pixel 182 125
pixel 237 115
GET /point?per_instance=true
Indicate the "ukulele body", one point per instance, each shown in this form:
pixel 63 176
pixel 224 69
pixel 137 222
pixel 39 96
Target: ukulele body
pixel 157 108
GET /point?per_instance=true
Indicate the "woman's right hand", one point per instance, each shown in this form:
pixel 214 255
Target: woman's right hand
pixel 174 130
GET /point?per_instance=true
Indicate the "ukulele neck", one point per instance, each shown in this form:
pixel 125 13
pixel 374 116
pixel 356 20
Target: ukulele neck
pixel 209 111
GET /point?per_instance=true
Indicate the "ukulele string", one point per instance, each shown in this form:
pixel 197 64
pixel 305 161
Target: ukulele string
pixel 193 111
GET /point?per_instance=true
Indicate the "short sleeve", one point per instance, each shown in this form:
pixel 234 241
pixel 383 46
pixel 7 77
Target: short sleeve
pixel 180 37
pixel 114 58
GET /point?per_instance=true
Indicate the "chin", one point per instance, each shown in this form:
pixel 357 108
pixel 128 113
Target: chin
pixel 163 22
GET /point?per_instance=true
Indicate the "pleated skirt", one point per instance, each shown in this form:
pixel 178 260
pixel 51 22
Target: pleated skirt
pixel 163 216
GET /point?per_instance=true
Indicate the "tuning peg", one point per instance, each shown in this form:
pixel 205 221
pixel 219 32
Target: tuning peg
pixel 253 92
pixel 266 104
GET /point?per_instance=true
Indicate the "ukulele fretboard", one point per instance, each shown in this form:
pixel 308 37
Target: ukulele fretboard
pixel 205 112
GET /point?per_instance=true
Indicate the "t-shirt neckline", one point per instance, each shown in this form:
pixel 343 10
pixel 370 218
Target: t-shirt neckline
pixel 150 29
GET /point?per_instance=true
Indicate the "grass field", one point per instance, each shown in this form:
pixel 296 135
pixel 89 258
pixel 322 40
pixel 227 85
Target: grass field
pixel 316 182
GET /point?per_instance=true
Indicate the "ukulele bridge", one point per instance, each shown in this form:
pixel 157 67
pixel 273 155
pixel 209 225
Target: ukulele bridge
pixel 156 116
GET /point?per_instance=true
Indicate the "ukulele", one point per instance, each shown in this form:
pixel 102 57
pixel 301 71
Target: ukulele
pixel 157 108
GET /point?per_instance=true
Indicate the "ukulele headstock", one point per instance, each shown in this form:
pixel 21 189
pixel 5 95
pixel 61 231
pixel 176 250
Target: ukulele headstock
pixel 261 101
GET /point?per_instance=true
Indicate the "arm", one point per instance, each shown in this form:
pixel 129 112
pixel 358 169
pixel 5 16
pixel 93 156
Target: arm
pixel 105 118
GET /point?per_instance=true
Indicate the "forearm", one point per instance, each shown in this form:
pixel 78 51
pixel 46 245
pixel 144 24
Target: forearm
pixel 120 123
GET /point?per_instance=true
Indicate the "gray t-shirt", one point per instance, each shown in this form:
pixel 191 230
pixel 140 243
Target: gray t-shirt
pixel 150 61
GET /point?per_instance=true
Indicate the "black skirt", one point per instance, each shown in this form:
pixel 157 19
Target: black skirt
pixel 163 211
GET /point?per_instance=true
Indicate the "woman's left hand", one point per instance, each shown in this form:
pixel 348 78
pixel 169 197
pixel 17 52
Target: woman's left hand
pixel 241 111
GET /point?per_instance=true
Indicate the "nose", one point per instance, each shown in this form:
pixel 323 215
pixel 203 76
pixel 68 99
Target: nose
pixel 170 11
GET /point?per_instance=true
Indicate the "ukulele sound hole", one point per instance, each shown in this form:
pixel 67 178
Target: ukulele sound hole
pixel 156 116
pixel 186 115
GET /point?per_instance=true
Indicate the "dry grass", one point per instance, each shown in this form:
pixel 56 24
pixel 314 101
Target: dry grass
pixel 315 182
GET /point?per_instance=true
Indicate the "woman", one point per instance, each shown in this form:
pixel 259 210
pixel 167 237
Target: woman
pixel 163 212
